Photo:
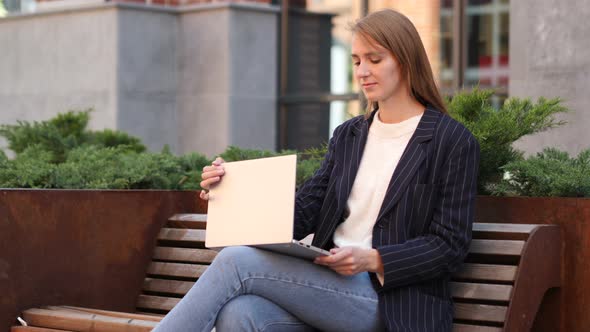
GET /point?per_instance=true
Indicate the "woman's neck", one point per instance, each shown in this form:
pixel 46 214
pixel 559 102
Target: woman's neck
pixel 396 110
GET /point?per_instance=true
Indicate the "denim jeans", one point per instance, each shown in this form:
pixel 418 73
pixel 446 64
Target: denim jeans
pixel 248 289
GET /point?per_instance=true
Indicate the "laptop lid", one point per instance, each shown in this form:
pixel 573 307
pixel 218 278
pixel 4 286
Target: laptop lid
pixel 253 204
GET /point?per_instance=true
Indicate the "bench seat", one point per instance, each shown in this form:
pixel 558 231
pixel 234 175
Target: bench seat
pixel 500 287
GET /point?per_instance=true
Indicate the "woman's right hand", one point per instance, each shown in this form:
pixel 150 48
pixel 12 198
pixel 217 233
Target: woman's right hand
pixel 211 175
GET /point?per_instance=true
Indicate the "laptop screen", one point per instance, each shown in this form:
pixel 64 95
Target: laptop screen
pixel 253 203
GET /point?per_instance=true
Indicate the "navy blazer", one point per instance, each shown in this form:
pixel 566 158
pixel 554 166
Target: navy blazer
pixel 423 229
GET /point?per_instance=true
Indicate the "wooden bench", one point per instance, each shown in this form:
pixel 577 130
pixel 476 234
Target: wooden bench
pixel 499 288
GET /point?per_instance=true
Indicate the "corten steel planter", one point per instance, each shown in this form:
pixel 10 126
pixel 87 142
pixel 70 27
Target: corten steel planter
pixel 80 247
pixel 567 309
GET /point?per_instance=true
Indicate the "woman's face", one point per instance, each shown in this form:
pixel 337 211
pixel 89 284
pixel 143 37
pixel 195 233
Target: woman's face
pixel 376 70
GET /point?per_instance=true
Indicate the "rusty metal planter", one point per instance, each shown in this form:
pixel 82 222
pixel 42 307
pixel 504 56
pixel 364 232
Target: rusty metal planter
pixel 91 248
pixel 79 247
pixel 567 309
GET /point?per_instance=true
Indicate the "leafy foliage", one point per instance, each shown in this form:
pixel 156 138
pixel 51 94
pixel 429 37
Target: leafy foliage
pixel 63 133
pixel 549 173
pixel 113 138
pixel 234 153
pixel 308 161
pixel 62 153
pixel 57 135
pixel 496 130
pixel 30 169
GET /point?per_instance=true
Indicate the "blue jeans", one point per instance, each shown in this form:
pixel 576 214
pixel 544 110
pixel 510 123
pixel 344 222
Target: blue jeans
pixel 248 289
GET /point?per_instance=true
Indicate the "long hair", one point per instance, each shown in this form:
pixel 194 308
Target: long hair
pixel 397 34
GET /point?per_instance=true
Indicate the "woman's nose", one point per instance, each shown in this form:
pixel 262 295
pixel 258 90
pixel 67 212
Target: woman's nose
pixel 362 71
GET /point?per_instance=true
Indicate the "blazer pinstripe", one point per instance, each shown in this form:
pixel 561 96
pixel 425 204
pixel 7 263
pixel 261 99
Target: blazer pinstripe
pixel 423 229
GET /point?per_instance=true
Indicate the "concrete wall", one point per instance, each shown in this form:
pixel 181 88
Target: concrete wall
pixel 147 76
pixel 53 63
pixel 197 79
pixel 550 56
pixel 228 75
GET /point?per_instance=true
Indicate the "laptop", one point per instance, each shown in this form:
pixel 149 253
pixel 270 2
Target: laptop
pixel 254 205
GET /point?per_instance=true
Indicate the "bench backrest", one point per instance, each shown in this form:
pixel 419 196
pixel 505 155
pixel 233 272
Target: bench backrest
pixel 499 288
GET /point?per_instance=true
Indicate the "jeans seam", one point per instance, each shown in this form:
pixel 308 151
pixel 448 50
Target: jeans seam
pixel 267 325
pixel 229 298
pixel 312 286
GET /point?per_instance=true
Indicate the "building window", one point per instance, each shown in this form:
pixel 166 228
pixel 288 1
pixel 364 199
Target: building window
pixel 483 47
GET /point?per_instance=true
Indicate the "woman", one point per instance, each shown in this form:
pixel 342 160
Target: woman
pixel 393 201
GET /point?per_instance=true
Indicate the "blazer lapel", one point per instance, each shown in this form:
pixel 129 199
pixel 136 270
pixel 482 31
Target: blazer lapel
pixel 411 159
pixel 354 147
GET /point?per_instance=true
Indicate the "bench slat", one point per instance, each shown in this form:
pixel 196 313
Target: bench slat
pixel 496 247
pixel 176 270
pixel 167 286
pixel 183 220
pixel 156 302
pixel 182 235
pixel 480 312
pixel 486 272
pixel 153 318
pixel 79 321
pixel 462 290
pixel 474 328
pixel 504 228
pixel 184 254
pixel 35 329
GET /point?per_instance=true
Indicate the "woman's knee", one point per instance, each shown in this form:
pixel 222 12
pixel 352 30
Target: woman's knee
pixel 236 255
pixel 254 313
pixel 237 315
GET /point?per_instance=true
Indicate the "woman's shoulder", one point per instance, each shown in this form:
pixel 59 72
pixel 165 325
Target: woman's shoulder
pixel 450 128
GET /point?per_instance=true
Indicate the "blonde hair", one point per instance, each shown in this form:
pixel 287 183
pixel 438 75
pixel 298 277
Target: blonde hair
pixel 395 32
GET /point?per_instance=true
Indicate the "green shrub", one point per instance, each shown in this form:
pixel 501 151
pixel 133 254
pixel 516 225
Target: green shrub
pixel 58 135
pixel 234 153
pixel 310 161
pixel 63 133
pixel 191 166
pixel 32 168
pixel 549 173
pixel 91 167
pixel 496 130
pixel 114 138
pixel 62 153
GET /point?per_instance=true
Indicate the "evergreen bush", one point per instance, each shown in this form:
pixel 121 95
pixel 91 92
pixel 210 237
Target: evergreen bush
pixel 497 129
pixel 549 173
pixel 32 168
pixel 63 133
pixel 62 153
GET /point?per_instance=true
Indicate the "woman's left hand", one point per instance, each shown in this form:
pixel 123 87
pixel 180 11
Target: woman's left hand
pixel 352 260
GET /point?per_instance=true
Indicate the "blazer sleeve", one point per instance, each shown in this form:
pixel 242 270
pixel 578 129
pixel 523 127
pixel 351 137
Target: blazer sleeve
pixel 310 196
pixel 443 248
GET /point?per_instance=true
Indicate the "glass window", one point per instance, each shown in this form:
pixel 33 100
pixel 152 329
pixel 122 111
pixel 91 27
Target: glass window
pixel 446 46
pixel 486 32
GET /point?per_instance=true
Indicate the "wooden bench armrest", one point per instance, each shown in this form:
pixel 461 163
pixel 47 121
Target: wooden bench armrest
pixel 539 270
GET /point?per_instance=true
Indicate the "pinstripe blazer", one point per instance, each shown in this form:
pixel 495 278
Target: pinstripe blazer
pixel 423 229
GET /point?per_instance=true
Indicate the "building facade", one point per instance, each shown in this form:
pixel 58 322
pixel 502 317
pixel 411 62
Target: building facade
pixel 522 48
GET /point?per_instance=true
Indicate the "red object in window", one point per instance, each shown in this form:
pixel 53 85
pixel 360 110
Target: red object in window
pixel 485 61
pixel 503 60
pixel 485 82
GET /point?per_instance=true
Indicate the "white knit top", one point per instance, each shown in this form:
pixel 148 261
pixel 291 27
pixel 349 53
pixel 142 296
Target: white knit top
pixel 385 144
